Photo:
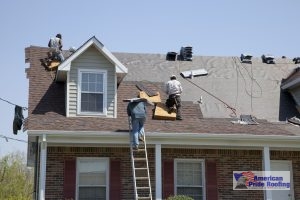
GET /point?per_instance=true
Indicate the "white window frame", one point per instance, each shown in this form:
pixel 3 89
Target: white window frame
pixel 101 159
pixel 202 162
pixel 96 71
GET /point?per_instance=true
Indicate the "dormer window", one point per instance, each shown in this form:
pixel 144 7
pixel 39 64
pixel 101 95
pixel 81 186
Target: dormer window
pixel 92 92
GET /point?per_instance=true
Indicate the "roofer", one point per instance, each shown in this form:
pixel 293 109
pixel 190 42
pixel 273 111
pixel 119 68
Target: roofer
pixel 174 90
pixel 137 112
pixel 56 45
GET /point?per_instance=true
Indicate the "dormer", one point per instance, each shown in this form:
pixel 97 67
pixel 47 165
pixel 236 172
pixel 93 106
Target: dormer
pixel 91 75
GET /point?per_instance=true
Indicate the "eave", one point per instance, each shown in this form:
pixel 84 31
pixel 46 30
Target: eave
pixel 168 140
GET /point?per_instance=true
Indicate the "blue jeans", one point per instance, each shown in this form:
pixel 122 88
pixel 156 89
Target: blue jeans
pixel 137 125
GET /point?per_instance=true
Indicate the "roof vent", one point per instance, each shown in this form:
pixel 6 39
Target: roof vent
pixel 171 56
pixel 269 59
pixel 296 60
pixel 246 58
pixel 186 53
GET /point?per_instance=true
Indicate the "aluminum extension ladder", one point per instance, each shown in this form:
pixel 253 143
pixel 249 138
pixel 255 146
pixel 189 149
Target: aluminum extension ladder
pixel 140 169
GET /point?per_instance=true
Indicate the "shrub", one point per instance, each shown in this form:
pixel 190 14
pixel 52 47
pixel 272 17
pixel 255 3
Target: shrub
pixel 180 197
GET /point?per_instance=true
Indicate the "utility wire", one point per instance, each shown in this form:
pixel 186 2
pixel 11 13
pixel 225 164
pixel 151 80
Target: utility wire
pixel 228 106
pixel 6 138
pixel 24 108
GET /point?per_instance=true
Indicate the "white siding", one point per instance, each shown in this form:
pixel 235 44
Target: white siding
pixel 91 59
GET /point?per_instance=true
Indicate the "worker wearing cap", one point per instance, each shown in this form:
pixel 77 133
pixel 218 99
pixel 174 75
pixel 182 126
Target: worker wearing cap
pixel 56 47
pixel 174 90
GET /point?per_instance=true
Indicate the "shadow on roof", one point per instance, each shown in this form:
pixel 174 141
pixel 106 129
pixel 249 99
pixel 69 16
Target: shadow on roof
pixel 52 101
pixel 287 106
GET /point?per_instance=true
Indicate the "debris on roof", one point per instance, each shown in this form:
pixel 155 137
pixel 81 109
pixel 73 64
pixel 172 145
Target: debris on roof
pixel 246 119
pixel 186 53
pixel 142 87
pixel 171 56
pixel 269 59
pixel 154 99
pixel 296 60
pixel 193 73
pixel 246 58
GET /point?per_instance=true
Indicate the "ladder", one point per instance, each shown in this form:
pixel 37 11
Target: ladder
pixel 140 169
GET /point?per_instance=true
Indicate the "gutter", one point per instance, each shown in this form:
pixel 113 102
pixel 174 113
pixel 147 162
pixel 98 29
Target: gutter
pixel 171 140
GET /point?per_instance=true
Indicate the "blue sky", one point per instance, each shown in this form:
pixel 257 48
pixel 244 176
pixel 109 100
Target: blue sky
pixel 212 28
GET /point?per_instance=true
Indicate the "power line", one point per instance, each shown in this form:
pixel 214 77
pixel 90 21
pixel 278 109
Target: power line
pixel 24 108
pixel 7 138
pixel 227 105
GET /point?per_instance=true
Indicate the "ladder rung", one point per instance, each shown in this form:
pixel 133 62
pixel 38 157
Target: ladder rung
pixel 144 197
pixel 142 188
pixel 139 159
pixel 141 168
pixel 142 178
pixel 139 150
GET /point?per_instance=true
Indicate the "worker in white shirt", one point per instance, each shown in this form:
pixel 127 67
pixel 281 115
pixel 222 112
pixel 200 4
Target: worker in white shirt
pixel 174 90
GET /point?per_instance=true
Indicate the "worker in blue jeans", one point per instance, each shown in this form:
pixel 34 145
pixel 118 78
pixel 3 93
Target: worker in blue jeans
pixel 137 112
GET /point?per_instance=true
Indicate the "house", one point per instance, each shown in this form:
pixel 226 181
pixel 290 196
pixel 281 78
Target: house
pixel 79 137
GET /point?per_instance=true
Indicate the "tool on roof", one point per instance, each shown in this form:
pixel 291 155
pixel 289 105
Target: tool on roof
pixel 194 73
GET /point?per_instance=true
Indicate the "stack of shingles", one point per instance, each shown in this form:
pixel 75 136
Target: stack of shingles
pixel 160 111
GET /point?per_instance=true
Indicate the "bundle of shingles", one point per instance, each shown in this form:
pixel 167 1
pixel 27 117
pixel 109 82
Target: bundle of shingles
pixel 161 112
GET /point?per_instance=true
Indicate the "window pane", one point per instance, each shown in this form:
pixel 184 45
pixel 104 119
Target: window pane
pixel 195 193
pixel 85 77
pixel 84 87
pixel 92 77
pixel 92 87
pixel 91 102
pixel 189 174
pixel 189 179
pixel 92 178
pixel 92 193
pixel 92 92
pixel 99 85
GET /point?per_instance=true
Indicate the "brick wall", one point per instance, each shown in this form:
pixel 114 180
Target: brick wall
pixel 226 162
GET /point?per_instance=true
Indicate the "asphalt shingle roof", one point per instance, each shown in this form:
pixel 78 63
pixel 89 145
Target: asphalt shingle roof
pixel 47 98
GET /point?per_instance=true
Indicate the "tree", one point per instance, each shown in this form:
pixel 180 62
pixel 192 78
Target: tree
pixel 16 180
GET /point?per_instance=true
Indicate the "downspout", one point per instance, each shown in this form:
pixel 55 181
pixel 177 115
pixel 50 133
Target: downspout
pixel 35 168
pixel 43 160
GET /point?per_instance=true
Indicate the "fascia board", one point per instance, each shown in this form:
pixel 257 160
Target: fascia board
pixel 171 139
pixel 120 68
pixel 66 65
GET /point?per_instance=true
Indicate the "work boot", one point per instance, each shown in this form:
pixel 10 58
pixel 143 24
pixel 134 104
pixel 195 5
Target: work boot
pixel 179 118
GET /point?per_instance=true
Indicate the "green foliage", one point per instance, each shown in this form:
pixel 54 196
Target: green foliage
pixel 180 197
pixel 16 180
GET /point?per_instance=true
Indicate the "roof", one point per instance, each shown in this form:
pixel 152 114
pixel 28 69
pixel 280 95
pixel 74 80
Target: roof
pixel 224 79
pixel 249 88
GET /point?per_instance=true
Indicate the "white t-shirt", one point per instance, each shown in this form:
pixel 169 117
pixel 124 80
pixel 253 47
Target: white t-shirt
pixel 173 87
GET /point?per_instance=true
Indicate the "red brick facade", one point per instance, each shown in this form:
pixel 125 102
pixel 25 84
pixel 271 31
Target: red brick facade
pixel 225 161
